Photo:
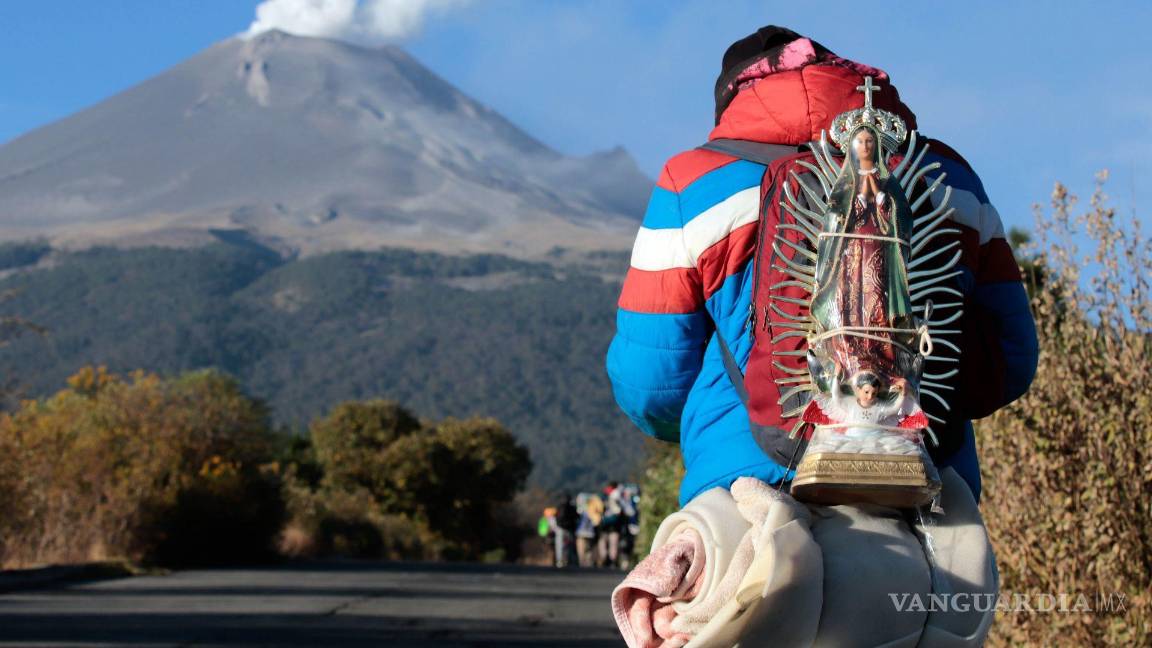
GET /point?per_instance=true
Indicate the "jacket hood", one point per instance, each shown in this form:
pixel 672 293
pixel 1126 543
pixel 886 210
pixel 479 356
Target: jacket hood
pixel 779 87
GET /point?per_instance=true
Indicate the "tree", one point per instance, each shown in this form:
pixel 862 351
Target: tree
pixel 1029 258
pixel 139 467
pixel 12 327
pixel 448 477
pixel 453 475
pixel 353 444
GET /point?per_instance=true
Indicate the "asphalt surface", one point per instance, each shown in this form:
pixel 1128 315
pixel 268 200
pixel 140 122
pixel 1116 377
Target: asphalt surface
pixel 322 604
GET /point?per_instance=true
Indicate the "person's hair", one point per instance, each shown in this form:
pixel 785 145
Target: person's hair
pixel 866 378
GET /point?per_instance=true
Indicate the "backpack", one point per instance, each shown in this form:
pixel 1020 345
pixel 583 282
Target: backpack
pixel 566 516
pixel 614 510
pixel 768 384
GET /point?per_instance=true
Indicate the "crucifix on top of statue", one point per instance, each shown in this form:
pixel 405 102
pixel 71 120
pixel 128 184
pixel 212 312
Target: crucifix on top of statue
pixel 867 89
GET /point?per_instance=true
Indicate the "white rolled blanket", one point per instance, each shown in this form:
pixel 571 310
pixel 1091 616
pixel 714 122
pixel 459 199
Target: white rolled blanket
pixel 775 572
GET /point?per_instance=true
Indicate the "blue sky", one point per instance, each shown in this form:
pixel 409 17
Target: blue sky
pixel 1029 92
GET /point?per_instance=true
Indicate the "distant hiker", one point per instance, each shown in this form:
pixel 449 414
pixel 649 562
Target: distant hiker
pixel 565 528
pixel 630 526
pixel 591 509
pixel 617 511
pixel 546 529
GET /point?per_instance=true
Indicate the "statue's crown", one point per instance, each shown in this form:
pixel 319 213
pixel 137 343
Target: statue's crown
pixel 889 126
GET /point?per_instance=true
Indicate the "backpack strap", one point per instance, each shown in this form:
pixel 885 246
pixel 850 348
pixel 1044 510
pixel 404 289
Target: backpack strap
pixel 752 151
pixel 774 441
pixel 761 153
pixel 733 370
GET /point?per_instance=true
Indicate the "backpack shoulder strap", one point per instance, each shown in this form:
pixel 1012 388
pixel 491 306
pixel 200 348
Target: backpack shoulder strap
pixel 752 151
pixel 776 443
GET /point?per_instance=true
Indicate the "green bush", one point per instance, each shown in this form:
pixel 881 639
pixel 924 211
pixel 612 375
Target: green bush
pixel 353 444
pixel 659 491
pixel 350 523
pixel 453 475
pixel 394 487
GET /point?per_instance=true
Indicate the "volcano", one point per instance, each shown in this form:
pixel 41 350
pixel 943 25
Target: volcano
pixel 310 145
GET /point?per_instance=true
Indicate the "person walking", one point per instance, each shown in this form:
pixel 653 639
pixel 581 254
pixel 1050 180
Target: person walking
pixel 591 509
pixel 566 521
pixel 694 360
pixel 689 288
pixel 617 511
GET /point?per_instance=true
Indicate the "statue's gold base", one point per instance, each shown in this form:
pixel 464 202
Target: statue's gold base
pixel 900 481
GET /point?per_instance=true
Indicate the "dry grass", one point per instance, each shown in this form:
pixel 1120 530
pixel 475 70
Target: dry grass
pixel 1068 468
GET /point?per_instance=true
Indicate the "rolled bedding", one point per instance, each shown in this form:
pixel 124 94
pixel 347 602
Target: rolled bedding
pixel 751 566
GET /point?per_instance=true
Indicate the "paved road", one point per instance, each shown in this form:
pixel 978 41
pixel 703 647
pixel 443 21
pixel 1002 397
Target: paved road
pixel 322 604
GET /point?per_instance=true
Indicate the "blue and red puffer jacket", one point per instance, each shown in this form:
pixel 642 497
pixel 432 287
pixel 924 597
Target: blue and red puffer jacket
pixel 691 276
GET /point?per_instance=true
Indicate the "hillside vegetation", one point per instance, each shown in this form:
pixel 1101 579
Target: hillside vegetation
pixel 487 335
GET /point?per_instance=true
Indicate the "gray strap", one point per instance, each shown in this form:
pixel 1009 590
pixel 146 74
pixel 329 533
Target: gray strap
pixel 733 370
pixel 772 440
pixel 737 378
pixel 752 151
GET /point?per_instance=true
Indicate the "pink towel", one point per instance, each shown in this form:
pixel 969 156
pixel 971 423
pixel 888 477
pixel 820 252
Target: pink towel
pixel 642 603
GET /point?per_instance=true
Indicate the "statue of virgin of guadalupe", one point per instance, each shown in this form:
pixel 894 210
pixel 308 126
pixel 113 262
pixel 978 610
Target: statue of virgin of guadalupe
pixel 861 281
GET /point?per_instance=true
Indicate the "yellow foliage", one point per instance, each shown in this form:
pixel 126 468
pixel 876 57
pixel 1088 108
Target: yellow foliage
pixel 95 469
pixel 89 380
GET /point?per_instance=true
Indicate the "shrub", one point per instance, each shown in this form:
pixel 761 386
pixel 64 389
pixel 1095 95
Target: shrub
pixel 350 523
pixel 352 444
pixel 115 467
pixel 452 476
pixel 660 491
pixel 394 487
pixel 1068 467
